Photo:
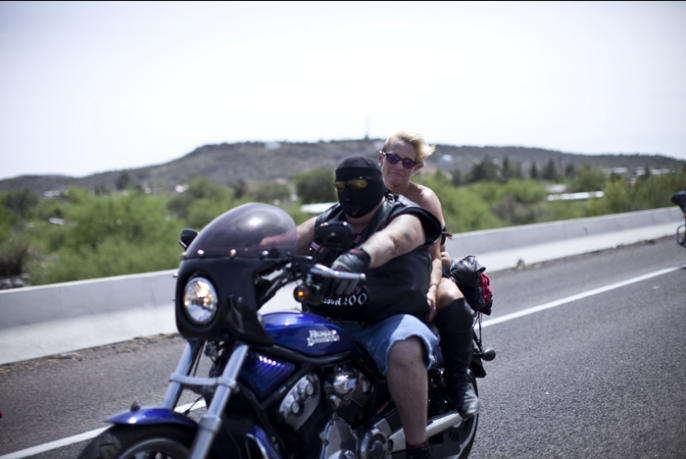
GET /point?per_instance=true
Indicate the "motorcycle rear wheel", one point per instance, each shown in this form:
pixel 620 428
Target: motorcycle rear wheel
pixel 456 442
pixel 124 442
pixel 465 434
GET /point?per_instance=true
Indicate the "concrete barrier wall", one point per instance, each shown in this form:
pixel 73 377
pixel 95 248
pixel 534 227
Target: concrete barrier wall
pixel 58 318
pixel 479 242
pixel 528 244
pixel 63 301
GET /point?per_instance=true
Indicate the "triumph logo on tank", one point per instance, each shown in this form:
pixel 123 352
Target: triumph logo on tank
pixel 322 337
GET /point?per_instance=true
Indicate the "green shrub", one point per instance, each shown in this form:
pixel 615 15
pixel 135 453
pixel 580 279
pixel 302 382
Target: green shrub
pixel 588 178
pixel 315 186
pixel 200 188
pixel 14 253
pixel 21 202
pixel 128 232
pixel 272 193
pixel 108 235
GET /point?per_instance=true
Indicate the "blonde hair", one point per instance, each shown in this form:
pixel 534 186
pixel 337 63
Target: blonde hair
pixel 415 139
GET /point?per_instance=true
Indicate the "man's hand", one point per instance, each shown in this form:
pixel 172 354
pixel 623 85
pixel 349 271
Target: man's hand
pixel 431 295
pixel 353 261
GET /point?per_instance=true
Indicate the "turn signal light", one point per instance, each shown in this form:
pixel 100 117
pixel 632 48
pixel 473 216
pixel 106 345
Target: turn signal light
pixel 301 293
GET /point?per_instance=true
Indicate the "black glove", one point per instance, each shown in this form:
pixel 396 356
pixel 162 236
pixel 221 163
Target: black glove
pixel 353 261
pixel 473 283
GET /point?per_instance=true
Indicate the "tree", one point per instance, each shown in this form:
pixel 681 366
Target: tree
pixel 646 173
pixel 272 192
pixel 533 171
pixel 240 189
pixel 315 186
pixel 506 170
pixel 21 202
pixel 110 235
pixel 520 201
pixel 200 188
pixel 510 170
pixel 124 181
pixel 457 179
pixel 484 171
pixel 550 172
pixel 588 179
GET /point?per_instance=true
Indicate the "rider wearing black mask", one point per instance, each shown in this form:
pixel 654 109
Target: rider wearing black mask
pixel 384 315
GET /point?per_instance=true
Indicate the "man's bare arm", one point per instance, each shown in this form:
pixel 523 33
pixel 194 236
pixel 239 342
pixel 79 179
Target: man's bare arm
pixel 305 232
pixel 402 235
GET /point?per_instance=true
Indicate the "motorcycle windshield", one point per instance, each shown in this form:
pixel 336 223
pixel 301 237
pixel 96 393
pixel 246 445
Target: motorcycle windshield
pixel 246 231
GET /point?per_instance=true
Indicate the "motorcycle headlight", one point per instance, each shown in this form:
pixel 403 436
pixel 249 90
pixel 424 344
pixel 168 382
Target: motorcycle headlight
pixel 200 300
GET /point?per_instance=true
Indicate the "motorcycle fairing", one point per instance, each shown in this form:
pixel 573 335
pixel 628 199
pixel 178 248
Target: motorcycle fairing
pixel 237 311
pixel 307 333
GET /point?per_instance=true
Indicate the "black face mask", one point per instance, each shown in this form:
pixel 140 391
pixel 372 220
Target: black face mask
pixel 356 203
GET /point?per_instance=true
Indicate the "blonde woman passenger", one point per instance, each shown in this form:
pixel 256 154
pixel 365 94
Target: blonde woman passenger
pixel 402 155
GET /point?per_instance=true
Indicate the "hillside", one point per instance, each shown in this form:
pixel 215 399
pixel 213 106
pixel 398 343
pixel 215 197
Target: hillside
pixel 230 163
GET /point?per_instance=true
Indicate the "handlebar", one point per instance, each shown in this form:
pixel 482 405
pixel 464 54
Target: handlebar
pixel 324 271
pixel 317 280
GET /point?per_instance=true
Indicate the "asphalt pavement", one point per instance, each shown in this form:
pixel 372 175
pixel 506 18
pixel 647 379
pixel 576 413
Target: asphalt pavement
pixel 591 363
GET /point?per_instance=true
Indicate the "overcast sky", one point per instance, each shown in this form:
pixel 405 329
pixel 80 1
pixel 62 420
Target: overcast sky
pixel 93 86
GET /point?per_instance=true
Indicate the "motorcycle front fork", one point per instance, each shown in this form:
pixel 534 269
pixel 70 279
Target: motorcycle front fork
pixel 183 369
pixel 211 421
pixel 226 385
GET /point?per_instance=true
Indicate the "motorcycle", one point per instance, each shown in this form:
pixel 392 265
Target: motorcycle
pixel 283 384
pixel 679 198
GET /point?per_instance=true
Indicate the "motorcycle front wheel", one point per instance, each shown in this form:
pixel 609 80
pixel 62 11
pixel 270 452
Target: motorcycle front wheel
pixel 154 441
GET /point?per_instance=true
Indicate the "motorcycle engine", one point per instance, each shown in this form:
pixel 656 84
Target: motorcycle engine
pixel 300 401
pixel 347 385
pixel 344 390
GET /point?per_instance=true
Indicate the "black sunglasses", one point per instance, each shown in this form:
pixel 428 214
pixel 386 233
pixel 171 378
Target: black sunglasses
pixel 393 159
pixel 353 184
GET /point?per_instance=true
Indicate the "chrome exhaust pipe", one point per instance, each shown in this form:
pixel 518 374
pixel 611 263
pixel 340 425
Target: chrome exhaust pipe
pixel 437 425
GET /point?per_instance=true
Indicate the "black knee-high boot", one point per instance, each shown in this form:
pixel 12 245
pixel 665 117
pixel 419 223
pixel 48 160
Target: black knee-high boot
pixel 454 323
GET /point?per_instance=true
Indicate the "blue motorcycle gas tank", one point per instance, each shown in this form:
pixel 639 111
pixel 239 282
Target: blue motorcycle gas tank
pixel 307 333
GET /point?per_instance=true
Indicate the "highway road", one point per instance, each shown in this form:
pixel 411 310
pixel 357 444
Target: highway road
pixel 591 363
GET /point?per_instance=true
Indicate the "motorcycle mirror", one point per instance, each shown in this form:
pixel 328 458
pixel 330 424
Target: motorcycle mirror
pixel 187 237
pixel 336 235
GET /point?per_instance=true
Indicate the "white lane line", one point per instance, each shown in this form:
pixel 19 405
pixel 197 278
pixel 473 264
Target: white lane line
pixel 578 296
pixel 515 315
pixel 54 444
pixel 79 437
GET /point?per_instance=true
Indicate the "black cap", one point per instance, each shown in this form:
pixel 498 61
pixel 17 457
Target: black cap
pixel 358 166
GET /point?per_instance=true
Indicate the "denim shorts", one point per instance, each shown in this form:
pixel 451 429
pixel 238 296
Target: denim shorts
pixel 379 337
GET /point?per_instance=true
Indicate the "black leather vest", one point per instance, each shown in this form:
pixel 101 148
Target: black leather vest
pixel 398 286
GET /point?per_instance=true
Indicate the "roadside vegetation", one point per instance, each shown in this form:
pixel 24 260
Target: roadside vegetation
pixel 81 234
